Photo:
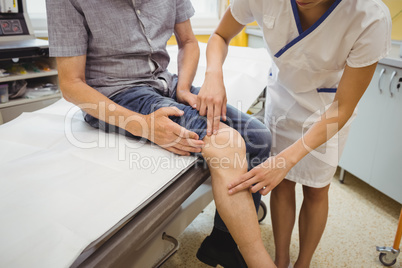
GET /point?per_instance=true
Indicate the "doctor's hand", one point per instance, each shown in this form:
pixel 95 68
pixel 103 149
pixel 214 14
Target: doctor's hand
pixel 263 178
pixel 211 101
pixel 170 135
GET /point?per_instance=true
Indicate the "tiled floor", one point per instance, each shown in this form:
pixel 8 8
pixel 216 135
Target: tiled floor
pixel 360 218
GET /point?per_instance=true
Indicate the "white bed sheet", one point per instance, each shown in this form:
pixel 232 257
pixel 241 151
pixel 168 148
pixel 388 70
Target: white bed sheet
pixel 64 184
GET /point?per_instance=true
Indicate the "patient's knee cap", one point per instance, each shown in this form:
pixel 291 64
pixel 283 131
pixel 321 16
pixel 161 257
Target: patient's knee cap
pixel 227 140
pixel 226 149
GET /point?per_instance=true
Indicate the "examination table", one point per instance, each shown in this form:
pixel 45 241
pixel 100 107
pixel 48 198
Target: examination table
pixel 73 196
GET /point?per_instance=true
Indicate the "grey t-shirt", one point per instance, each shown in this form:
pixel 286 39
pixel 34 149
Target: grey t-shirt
pixel 124 40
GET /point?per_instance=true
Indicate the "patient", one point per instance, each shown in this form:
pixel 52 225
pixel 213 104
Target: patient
pixel 112 57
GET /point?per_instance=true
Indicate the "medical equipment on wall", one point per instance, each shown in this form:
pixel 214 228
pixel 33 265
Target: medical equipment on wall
pixel 17 38
pixel 8 6
pixel 25 65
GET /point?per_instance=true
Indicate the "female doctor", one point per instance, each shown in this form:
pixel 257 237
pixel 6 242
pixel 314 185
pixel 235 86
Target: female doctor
pixel 324 55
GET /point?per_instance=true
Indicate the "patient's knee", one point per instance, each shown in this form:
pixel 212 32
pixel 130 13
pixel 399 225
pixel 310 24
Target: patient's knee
pixel 227 139
pixel 225 148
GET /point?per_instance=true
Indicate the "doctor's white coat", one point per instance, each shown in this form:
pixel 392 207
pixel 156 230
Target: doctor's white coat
pixel 307 68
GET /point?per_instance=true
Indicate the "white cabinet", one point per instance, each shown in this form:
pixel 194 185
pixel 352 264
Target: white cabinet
pixel 373 151
pixel 14 108
pixel 386 175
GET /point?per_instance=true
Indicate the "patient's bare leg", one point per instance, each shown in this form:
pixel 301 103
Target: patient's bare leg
pixel 225 153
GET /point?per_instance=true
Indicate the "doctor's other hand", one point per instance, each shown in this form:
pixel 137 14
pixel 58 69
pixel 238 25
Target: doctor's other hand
pixel 186 97
pixel 170 135
pixel 263 178
pixel 211 101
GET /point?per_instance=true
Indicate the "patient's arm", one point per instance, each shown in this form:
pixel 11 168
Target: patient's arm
pixel 225 154
pixel 187 61
pixel 163 132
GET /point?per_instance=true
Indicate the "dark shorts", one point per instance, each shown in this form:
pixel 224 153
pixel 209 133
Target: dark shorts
pixel 146 100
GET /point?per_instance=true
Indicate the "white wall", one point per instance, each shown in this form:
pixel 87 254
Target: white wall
pixel 37 14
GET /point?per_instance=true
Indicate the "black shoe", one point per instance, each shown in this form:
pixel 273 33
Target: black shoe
pixel 212 254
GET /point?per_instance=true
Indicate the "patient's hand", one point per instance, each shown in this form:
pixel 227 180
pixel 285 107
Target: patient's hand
pixel 169 135
pixel 211 101
pixel 186 97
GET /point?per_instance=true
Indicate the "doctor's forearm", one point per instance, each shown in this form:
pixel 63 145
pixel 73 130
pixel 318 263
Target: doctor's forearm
pixel 217 51
pixel 218 43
